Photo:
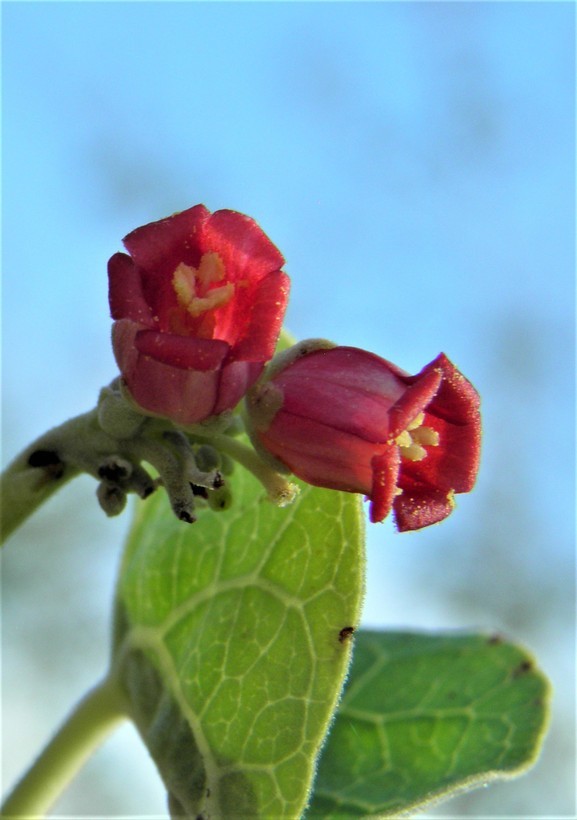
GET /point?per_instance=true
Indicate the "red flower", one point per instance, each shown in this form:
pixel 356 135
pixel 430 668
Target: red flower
pixel 348 420
pixel 198 305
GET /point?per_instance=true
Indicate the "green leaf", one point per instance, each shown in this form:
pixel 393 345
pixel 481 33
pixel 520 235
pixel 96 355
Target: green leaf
pixel 228 643
pixel 424 716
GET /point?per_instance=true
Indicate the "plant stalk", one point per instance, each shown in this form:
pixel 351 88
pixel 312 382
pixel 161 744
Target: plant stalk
pixel 24 486
pixel 84 730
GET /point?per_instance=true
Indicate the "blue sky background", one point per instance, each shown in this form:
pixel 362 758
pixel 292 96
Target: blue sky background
pixel 415 164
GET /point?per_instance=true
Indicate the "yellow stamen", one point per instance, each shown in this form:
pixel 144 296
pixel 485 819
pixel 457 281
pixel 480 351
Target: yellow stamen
pixel 414 453
pixel 404 439
pixel 426 435
pixel 416 422
pixel 413 440
pixel 192 285
pixel 184 283
pixel 211 269
pixel 215 298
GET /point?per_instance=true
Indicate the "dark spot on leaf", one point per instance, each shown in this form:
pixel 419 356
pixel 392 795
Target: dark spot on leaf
pixel 522 669
pixel 345 633
pixel 493 640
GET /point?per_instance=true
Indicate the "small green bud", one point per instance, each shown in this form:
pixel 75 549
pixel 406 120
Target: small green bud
pixel 220 499
pixel 111 499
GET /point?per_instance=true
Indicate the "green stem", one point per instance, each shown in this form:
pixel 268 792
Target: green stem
pixel 24 488
pixel 280 491
pixel 84 730
pixel 82 444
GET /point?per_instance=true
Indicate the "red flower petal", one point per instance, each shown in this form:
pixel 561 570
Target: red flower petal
pixel 263 319
pixel 125 291
pixel 345 387
pixel 417 509
pixel 245 249
pixel 160 246
pixel 235 379
pixel 184 396
pixel 452 465
pixel 320 455
pixel 454 413
pixel 457 401
pixel 182 351
pixel 385 474
pixel 414 400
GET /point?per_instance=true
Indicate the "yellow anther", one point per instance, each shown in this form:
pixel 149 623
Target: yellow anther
pixel 416 422
pixel 404 439
pixel 215 298
pixel 184 283
pixel 426 435
pixel 414 453
pixel 413 440
pixel 211 269
pixel 192 285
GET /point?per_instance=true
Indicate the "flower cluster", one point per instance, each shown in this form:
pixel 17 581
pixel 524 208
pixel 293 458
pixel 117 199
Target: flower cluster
pixel 198 306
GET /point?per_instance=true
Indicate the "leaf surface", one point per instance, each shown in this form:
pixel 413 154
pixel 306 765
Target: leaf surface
pixel 424 716
pixel 228 643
